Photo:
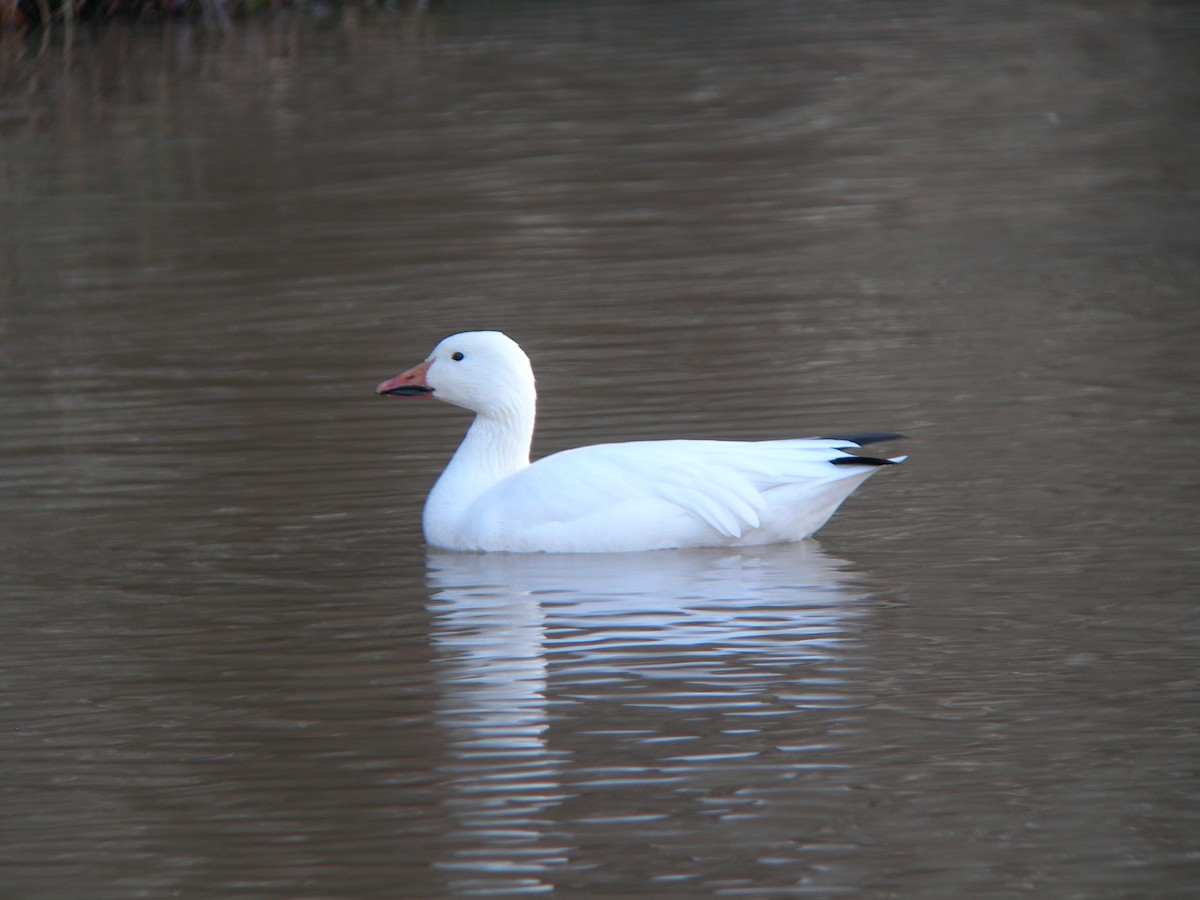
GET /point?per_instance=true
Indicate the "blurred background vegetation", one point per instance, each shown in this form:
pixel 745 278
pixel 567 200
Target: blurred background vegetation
pixel 21 14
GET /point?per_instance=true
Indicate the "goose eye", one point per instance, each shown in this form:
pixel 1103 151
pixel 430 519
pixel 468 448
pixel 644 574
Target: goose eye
pixel 456 356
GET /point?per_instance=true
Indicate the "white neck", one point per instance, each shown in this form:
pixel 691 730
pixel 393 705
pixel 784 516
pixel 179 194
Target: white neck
pixel 495 446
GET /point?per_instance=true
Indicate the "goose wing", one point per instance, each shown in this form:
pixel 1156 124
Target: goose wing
pixel 721 483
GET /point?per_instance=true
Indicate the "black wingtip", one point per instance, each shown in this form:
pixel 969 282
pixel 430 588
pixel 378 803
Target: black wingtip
pixel 868 437
pixel 862 461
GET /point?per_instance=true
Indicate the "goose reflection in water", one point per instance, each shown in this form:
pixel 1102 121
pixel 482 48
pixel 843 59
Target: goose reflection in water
pixel 603 640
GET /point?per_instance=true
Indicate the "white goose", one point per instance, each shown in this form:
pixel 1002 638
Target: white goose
pixel 641 495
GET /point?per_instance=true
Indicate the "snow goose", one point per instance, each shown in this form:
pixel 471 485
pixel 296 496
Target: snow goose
pixel 639 495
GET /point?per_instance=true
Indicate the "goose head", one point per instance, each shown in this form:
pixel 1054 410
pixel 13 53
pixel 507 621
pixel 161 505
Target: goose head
pixel 483 371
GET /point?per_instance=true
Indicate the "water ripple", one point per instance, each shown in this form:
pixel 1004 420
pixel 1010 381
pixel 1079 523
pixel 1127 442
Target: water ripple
pixel 697 640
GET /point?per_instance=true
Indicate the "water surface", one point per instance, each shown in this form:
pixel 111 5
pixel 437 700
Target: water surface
pixel 231 667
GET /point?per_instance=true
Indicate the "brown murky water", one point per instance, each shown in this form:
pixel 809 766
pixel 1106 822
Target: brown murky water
pixel 230 667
